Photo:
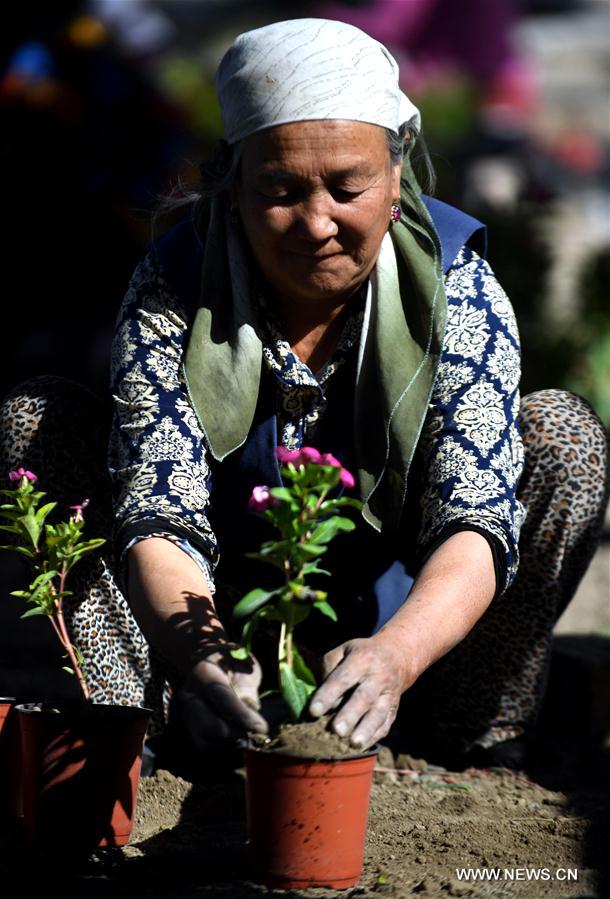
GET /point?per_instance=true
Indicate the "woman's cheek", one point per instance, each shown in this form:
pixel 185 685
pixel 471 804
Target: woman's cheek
pixel 273 219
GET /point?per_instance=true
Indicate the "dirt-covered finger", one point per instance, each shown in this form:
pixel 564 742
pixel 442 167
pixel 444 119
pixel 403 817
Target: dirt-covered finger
pixel 246 687
pixel 364 701
pixel 373 727
pixel 332 659
pixel 230 707
pixel 342 680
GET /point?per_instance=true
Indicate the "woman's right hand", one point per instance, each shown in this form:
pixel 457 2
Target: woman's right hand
pixel 219 698
pixel 170 598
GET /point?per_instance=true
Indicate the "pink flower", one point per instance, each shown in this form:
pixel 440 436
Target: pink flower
pixel 78 509
pixel 22 473
pixel 297 457
pixel 310 454
pixel 329 459
pixel 261 499
pixel 285 455
pixel 347 478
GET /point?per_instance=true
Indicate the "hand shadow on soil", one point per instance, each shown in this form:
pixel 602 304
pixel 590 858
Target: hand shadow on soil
pixel 204 854
pixel 206 848
pixel 572 742
pixel 581 773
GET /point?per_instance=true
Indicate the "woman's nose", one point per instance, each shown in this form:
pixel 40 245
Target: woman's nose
pixel 317 221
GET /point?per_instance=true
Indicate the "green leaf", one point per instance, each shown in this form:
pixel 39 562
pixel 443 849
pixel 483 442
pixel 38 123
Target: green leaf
pixel 328 529
pixel 11 528
pixel 326 609
pixel 301 670
pixel 30 612
pixel 310 549
pixel 69 670
pixel 82 548
pixel 32 527
pixel 293 474
pixel 19 593
pixel 295 691
pixel 10 512
pixel 43 578
pixel 249 628
pixel 277 563
pixel 42 513
pixel 273 546
pixel 266 693
pixel 89 544
pixel 247 633
pixel 312 568
pixel 253 601
pixel 20 549
pixel 298 613
pixel 284 494
pixel 330 504
pixel 240 653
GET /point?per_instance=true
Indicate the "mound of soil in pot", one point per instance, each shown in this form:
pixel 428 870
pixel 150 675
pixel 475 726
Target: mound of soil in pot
pixel 307 740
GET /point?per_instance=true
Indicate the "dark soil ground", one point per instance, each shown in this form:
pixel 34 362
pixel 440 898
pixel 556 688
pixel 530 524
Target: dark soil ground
pixel 189 840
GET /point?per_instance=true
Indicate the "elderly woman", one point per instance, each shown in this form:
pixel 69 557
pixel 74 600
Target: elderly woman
pixel 314 297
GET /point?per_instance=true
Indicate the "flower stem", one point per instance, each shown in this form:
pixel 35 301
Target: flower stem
pixel 57 619
pixel 281 646
pixel 288 638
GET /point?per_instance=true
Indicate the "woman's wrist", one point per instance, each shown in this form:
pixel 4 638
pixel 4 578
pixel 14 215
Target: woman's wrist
pixel 172 603
pixel 450 594
pixel 402 652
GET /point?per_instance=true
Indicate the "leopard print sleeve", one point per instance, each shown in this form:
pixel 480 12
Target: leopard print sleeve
pixel 471 447
pixel 156 453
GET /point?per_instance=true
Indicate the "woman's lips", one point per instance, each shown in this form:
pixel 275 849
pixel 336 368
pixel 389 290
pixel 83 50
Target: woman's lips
pixel 316 257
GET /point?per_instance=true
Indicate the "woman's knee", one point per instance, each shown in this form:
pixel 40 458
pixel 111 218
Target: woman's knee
pixel 47 419
pixel 25 405
pixel 43 389
pixel 564 430
pixel 566 461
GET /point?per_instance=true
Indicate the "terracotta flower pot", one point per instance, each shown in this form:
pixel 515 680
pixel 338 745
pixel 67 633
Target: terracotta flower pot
pixel 307 819
pixel 10 792
pixel 81 767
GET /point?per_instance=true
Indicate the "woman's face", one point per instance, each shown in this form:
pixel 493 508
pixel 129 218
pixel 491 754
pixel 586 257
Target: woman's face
pixel 314 199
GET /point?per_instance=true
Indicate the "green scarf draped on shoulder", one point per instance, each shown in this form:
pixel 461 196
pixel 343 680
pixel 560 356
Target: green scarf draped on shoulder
pixel 399 352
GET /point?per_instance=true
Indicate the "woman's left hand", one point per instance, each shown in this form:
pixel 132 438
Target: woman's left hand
pixel 377 671
pixel 450 594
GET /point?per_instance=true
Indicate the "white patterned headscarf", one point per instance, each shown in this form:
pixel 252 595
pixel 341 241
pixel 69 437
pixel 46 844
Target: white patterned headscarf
pixel 308 69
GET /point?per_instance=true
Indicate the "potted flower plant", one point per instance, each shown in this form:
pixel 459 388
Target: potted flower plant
pixel 80 763
pixel 307 808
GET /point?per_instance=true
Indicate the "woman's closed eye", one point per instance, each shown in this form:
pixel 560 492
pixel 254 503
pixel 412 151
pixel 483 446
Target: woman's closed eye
pixel 283 196
pixel 343 194
pixel 295 195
